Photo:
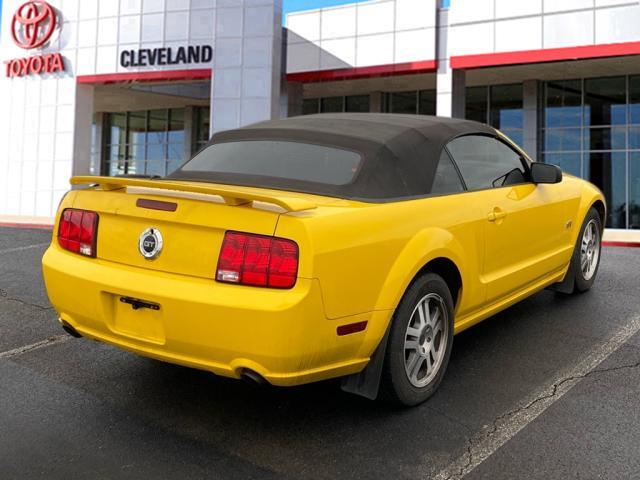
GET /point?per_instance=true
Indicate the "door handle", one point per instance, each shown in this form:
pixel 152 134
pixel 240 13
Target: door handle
pixel 496 215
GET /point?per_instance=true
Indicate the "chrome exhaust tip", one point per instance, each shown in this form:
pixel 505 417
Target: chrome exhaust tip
pixel 69 329
pixel 252 377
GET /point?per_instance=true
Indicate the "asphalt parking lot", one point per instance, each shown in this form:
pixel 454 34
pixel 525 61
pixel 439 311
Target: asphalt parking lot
pixel 547 389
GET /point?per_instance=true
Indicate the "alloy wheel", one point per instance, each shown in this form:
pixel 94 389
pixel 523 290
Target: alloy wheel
pixel 425 340
pixel 590 250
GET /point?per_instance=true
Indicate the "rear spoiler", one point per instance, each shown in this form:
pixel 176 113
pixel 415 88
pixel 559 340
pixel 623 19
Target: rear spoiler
pixel 232 195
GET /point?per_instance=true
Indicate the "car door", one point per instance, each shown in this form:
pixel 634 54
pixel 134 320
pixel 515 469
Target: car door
pixel 524 225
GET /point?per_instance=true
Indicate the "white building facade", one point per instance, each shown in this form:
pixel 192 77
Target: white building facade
pixel 137 86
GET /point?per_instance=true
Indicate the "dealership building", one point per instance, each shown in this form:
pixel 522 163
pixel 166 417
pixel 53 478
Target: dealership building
pixel 137 86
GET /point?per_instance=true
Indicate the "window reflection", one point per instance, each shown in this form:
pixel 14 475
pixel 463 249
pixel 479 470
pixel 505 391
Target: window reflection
pixel 356 103
pixel 563 101
pixel 570 163
pixel 591 129
pixel 403 102
pixel 202 134
pixel 500 106
pixel 422 102
pixel 634 190
pixel 562 139
pixel 505 107
pixel 605 101
pixel 331 104
pixel 477 104
pixel 607 171
pixel 427 102
pixel 350 103
pixel 605 138
pixel 142 142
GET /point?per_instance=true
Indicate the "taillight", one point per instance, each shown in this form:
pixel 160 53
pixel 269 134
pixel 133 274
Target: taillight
pixel 258 260
pixel 78 231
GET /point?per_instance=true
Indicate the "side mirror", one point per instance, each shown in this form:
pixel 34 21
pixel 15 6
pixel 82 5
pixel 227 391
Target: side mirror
pixel 545 173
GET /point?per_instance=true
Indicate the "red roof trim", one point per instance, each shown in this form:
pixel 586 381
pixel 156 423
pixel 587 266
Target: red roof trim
pixel 426 66
pixel 155 76
pixel 545 55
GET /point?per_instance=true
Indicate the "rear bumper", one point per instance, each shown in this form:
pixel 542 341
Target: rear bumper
pixel 283 335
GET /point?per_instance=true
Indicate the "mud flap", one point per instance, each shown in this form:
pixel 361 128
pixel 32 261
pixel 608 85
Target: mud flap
pixel 567 285
pixel 367 382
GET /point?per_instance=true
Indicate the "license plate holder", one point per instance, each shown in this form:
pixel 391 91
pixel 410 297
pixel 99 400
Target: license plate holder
pixel 137 303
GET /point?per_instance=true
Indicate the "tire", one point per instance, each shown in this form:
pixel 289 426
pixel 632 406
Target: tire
pixel 406 377
pixel 584 278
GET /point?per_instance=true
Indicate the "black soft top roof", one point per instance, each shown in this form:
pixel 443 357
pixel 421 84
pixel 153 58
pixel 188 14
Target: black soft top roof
pixel 400 152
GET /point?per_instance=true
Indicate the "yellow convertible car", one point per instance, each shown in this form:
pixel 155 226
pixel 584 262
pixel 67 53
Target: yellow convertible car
pixel 309 248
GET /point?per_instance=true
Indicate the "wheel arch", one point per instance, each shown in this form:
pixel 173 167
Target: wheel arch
pixel 436 250
pixel 602 211
pixel 450 273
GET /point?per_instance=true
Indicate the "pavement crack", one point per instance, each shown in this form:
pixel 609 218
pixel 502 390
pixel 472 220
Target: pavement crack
pixel 450 418
pixel 27 304
pixel 571 378
pixel 491 430
pixel 22 248
pixel 34 346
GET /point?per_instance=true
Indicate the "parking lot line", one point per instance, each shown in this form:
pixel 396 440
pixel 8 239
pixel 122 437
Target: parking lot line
pixel 26 247
pixel 506 426
pixel 34 346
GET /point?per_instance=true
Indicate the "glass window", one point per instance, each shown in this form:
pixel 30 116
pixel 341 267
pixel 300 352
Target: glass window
pixel 202 119
pixel 310 106
pixel 174 164
pixel 157 129
pixel 156 168
pixel 176 135
pixel 141 142
pixel 427 102
pixel 605 138
pixel 569 162
pixel 634 190
pixel 476 106
pixel 634 100
pixel 602 143
pixel 486 162
pixel 634 138
pixel 506 107
pixel 605 101
pixel 279 159
pixel 156 152
pixel 118 127
pixel 403 102
pixel 607 171
pixel 562 139
pixel 332 104
pixel 356 103
pixel 137 128
pixel 563 104
pixel 446 179
pixel 176 125
pixel 516 136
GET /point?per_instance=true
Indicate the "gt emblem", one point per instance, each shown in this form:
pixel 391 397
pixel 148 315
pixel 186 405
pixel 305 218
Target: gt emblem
pixel 150 243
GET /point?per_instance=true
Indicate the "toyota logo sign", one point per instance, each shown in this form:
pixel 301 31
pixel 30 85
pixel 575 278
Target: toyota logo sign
pixel 33 24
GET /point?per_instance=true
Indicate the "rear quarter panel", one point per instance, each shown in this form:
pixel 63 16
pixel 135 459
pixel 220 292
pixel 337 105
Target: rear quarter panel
pixel 366 255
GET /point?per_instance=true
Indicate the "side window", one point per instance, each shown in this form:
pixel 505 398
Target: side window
pixel 446 179
pixel 486 162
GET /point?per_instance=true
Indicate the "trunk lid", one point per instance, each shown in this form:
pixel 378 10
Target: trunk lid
pixel 192 234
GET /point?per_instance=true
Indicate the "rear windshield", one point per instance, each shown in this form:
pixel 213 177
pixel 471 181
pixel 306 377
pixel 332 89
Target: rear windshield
pixel 278 159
